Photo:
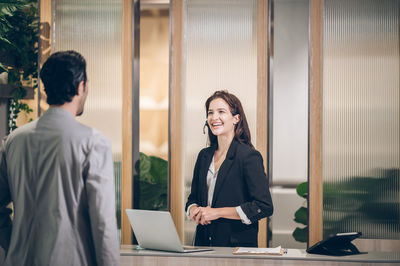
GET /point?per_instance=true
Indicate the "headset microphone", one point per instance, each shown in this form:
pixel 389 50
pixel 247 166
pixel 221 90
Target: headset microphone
pixel 204 128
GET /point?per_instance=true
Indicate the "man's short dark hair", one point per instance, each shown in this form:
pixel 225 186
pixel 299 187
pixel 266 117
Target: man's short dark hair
pixel 61 74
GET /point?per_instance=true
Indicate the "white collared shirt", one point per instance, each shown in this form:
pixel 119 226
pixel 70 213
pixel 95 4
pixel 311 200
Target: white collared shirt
pixel 211 180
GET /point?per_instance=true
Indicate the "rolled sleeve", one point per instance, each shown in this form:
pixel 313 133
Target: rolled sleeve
pixel 188 208
pixel 260 205
pixel 242 216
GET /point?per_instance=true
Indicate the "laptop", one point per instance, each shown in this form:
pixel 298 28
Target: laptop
pixel 156 230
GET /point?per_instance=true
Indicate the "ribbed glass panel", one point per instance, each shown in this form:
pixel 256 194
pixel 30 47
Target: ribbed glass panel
pixel 290 95
pixel 361 117
pixel 220 48
pixel 93 28
pixel 289 58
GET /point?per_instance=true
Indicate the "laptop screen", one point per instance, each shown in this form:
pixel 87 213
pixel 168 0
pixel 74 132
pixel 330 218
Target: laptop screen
pixel 154 230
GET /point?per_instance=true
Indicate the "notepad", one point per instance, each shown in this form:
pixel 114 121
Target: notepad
pixel 258 251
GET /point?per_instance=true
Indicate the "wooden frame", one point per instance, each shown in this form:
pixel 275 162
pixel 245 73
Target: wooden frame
pixel 127 174
pixel 45 48
pixel 45 30
pixel 175 116
pixel 315 124
pixel 262 98
pixel 130 108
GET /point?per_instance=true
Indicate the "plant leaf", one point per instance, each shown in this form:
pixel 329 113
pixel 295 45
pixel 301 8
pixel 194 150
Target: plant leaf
pixel 2 39
pixel 152 196
pixel 143 165
pixel 300 216
pixel 302 189
pixel 301 234
pixel 159 169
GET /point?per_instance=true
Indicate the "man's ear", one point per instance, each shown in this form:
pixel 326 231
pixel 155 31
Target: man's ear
pixel 81 87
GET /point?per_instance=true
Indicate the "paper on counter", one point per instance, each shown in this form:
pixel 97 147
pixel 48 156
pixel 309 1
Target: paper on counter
pixel 265 251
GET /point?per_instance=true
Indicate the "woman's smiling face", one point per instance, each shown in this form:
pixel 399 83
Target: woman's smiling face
pixel 220 119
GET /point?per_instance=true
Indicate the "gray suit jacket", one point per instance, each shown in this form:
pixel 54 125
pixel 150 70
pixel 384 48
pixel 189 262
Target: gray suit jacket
pixel 59 175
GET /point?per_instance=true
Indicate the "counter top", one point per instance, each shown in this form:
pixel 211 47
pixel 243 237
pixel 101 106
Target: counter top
pixel 292 254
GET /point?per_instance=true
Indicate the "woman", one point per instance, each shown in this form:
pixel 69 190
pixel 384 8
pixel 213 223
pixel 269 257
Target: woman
pixel 230 190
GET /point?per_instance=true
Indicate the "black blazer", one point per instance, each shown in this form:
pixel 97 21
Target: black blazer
pixel 241 181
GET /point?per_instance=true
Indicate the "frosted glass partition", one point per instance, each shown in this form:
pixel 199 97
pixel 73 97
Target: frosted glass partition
pixel 361 117
pixel 93 28
pixel 290 91
pixel 289 85
pixel 220 47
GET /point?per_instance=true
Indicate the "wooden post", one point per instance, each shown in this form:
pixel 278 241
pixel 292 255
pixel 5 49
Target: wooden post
pixel 262 98
pixel 175 115
pixel 315 126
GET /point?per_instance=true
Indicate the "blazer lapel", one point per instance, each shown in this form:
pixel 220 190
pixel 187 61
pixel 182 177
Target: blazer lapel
pixel 207 157
pixel 224 169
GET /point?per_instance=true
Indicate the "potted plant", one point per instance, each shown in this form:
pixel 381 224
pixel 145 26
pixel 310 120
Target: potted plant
pixel 19 37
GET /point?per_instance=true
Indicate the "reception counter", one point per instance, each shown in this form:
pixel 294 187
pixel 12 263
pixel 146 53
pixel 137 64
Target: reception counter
pixel 223 256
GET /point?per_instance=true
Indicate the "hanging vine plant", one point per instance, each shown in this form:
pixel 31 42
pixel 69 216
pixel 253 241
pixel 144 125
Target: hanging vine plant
pixel 19 31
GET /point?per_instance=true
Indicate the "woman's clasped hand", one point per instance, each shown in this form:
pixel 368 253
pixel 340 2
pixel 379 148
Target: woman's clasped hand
pixel 203 215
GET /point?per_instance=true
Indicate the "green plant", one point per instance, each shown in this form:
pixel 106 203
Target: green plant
pixel 368 204
pixel 151 183
pixel 301 215
pixel 19 31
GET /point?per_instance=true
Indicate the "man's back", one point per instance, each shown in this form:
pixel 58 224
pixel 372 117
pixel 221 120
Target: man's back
pixel 60 177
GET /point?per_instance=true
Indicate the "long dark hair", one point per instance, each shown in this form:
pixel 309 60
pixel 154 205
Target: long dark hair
pixel 242 132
